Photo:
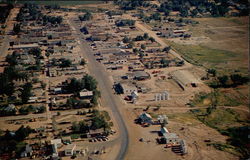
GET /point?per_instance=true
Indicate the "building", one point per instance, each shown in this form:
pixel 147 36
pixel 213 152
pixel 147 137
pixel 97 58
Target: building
pixel 162 119
pixel 57 90
pixel 141 75
pixel 10 108
pixel 66 140
pixel 145 118
pixel 69 150
pixel 56 142
pixel 25 46
pixel 85 94
pixel 96 132
pixel 170 138
pixel 72 149
pixel 185 79
pixel 27 152
pixel 164 130
pixel 126 88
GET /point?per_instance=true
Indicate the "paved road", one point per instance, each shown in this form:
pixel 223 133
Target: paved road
pixel 105 85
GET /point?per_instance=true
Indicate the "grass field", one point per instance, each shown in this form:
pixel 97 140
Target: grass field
pixel 230 123
pixel 222 60
pixel 227 47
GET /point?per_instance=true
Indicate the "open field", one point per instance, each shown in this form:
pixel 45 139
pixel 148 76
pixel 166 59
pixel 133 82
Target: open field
pixel 62 3
pixel 225 46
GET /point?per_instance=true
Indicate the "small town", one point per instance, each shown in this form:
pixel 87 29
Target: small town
pixel 121 80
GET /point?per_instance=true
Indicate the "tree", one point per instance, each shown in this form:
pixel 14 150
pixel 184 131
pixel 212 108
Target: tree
pixel 145 36
pixel 41 109
pixel 75 127
pixel 86 17
pixel 99 122
pixel 36 52
pixel 83 127
pixel 212 71
pixel 17 28
pixel 130 45
pixel 83 62
pixel 90 82
pixel 26 92
pixel 143 46
pixel 151 39
pixel 65 63
pixel 238 79
pixel 135 50
pixel 139 38
pixel 223 80
pixel 166 49
pixel 22 133
pixel 125 39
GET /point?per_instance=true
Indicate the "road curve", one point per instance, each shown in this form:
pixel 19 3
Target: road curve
pixel 108 98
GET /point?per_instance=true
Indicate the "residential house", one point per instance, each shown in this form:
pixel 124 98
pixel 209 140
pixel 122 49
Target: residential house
pixel 126 88
pixel 85 94
pixel 27 152
pixel 145 118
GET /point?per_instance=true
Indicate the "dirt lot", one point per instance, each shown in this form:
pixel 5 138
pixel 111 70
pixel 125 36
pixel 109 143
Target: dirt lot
pixel 186 127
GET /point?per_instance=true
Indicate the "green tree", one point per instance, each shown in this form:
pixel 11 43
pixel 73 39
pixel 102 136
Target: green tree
pixel 212 71
pixel 125 39
pixel 151 39
pixel 83 62
pixel 17 28
pixel 223 80
pixel 26 92
pixel 36 52
pixel 166 49
pixel 143 46
pixel 65 63
pixel 145 36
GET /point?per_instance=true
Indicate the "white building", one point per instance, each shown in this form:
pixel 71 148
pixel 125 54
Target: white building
pixel 69 150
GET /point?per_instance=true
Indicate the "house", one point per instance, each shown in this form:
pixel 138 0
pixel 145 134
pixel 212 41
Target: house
pixel 26 46
pixel 32 99
pixel 141 75
pixel 170 138
pixel 27 152
pixel 96 132
pixel 183 146
pixel 56 142
pixel 125 88
pixel 69 150
pixel 162 119
pixel 10 108
pixel 134 95
pixel 85 94
pixel 57 90
pixel 145 118
pixel 66 140
pixel 164 130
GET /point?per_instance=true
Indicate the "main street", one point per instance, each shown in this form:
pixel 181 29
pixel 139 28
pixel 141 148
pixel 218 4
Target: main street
pixel 108 98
